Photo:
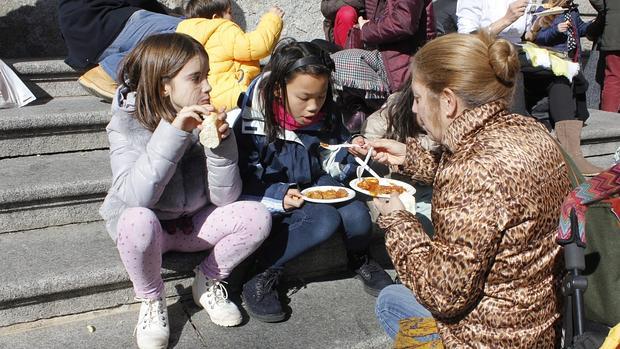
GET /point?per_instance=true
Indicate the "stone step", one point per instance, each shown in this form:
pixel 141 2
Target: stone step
pixel 66 124
pixel 331 314
pixel 48 77
pixel 48 190
pixel 75 268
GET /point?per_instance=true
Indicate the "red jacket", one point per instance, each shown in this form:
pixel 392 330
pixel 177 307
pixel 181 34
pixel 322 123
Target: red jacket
pixel 397 28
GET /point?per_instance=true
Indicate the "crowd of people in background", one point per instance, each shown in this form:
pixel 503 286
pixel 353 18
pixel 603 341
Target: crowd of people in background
pixel 438 93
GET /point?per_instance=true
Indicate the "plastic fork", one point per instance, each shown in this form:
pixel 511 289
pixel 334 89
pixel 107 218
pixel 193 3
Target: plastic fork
pixel 334 147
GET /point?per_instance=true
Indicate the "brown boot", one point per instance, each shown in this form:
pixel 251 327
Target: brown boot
pixel 568 133
pixel 98 83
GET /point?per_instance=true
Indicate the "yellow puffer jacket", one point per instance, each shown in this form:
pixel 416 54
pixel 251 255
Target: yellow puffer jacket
pixel 233 54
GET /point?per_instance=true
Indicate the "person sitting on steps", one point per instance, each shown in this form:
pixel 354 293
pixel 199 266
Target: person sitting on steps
pixel 99 33
pixel 171 193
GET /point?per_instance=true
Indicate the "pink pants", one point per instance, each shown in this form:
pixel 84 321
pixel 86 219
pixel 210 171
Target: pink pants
pixel 233 232
pixel 346 17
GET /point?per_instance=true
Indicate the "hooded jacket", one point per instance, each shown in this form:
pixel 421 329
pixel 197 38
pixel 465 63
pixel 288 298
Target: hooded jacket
pixel 295 159
pixel 167 171
pixel 233 54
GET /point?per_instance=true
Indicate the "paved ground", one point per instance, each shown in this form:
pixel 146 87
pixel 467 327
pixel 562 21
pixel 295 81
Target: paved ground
pixel 325 314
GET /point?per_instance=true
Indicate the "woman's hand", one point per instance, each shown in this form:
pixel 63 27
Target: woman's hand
pixel 190 117
pixel 389 206
pixel 516 10
pixel 388 151
pixel 563 26
pixel 292 199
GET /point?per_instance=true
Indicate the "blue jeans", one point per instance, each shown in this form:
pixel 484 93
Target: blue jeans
pixel 141 24
pixel 312 224
pixel 395 303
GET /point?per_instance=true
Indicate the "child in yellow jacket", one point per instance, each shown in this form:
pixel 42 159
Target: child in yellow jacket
pixel 233 54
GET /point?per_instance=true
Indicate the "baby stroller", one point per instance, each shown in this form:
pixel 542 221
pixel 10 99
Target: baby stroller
pixel 589 232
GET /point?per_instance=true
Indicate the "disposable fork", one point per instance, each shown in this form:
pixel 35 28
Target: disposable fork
pixel 337 146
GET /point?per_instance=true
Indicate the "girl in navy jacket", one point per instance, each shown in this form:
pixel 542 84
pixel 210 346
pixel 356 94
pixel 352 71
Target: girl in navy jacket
pixel 286 113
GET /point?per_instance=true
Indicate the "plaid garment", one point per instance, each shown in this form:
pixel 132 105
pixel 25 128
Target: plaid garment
pixel 361 69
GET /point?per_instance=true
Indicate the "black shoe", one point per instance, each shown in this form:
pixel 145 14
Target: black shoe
pixel 371 273
pixel 260 296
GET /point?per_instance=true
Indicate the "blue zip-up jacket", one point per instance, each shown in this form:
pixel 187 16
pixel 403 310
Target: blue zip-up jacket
pixel 295 159
pixel 550 36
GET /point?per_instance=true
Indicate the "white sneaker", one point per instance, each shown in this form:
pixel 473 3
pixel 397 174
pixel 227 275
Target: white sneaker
pixel 212 295
pixel 152 331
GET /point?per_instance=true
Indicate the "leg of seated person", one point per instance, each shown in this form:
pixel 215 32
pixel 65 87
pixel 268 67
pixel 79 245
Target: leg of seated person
pixel 297 232
pixel 610 96
pixel 140 25
pixel 346 17
pixel 396 303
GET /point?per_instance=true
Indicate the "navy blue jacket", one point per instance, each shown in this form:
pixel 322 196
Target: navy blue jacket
pixel 550 36
pixel 295 159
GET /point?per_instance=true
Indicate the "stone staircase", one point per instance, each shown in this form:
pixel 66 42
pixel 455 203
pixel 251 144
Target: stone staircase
pixel 55 172
pixel 59 263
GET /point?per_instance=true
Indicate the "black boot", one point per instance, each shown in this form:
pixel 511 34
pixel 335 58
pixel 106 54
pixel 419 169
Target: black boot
pixel 370 272
pixel 260 296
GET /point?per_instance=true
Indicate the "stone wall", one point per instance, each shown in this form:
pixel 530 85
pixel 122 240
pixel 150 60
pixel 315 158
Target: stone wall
pixel 28 28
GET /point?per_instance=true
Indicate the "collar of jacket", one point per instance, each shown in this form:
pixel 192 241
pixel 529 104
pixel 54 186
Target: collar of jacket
pixel 469 123
pixel 253 120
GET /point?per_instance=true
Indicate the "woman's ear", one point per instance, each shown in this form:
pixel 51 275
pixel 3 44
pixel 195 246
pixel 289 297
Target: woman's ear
pixel 449 103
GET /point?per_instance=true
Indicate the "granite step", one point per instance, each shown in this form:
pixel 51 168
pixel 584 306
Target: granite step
pixel 48 77
pixel 49 190
pixel 332 314
pixel 58 125
pixel 72 269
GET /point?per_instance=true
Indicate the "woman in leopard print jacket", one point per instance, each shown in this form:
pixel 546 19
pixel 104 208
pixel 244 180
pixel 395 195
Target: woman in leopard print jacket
pixel 490 276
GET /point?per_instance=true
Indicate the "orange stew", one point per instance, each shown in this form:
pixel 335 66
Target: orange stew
pixel 374 188
pixel 329 194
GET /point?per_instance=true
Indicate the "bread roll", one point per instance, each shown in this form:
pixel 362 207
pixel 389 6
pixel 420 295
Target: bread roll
pixel 210 137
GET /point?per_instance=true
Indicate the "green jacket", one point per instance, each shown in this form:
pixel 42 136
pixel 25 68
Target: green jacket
pixel 610 40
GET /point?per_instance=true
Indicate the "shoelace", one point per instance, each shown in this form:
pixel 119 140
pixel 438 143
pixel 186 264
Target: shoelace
pixel 265 283
pixel 367 268
pixel 153 313
pixel 220 292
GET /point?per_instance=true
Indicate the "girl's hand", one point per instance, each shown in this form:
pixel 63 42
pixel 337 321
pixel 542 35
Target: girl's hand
pixel 292 199
pixel 387 207
pixel 224 128
pixel 388 151
pixel 277 11
pixel 563 27
pixel 190 118
pixel 361 150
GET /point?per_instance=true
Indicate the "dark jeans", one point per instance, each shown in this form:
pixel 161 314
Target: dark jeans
pixel 312 224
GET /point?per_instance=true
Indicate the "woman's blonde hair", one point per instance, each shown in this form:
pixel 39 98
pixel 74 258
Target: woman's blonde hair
pixel 153 63
pixel 477 67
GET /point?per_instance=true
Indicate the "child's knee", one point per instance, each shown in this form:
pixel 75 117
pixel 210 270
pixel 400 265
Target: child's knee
pixel 259 221
pixel 325 221
pixel 137 224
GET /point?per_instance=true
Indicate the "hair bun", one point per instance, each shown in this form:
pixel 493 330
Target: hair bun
pixel 504 61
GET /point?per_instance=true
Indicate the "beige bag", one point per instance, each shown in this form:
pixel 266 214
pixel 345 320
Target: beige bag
pixel 13 92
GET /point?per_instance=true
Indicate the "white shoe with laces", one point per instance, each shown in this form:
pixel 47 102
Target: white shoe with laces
pixel 152 330
pixel 212 295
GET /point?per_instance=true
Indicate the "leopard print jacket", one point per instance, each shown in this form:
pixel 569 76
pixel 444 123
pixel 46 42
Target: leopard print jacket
pixel 490 276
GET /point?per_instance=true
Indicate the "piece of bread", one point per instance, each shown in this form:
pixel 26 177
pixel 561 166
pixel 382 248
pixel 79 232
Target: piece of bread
pixel 210 137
